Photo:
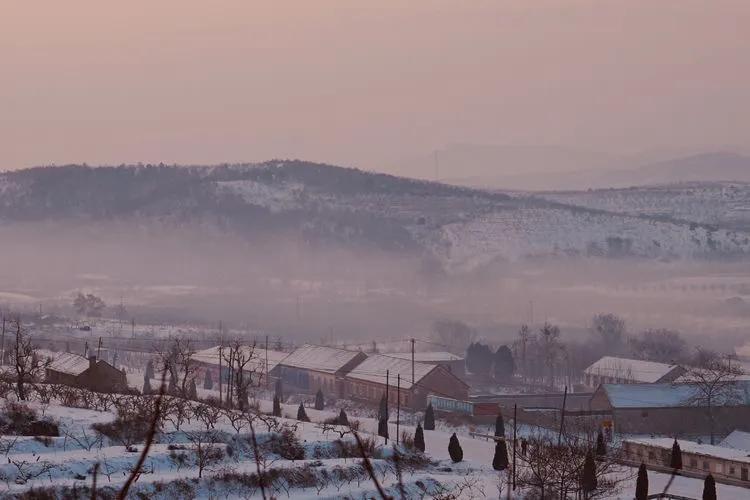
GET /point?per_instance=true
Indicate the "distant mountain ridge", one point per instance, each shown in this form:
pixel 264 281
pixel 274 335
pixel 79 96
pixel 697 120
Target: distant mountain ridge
pixel 546 168
pixel 462 228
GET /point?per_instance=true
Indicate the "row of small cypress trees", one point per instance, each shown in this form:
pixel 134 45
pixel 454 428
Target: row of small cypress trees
pixel 500 459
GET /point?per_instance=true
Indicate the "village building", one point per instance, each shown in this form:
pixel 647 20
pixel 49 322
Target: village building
pixel 721 462
pixel 739 440
pixel 369 379
pixel 670 409
pixel 313 367
pixel 613 370
pixel 89 373
pixel 259 363
pixel 451 362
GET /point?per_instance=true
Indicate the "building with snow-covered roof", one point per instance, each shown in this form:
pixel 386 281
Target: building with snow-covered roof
pixel 448 360
pixel 367 381
pixel 739 440
pixel 313 367
pixel 261 364
pixel 671 409
pixel 614 370
pixel 721 462
pixel 90 373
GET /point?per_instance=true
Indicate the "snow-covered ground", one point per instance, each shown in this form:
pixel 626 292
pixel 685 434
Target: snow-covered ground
pixel 67 462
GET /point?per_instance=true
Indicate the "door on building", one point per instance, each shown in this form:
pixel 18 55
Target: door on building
pixel 743 474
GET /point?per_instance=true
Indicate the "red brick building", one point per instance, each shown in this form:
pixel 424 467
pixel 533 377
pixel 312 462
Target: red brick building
pixel 92 373
pixel 367 381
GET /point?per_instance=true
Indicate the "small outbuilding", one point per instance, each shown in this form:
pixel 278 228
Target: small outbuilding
pixel 368 381
pixel 614 370
pixel 313 367
pixel 90 373
pixel 670 409
pixel 451 362
pixel 721 462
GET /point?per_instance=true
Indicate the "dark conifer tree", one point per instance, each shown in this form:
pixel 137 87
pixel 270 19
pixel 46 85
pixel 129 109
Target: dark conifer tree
pixel 150 369
pixel 319 400
pixel 208 381
pixel 383 409
pixel 500 460
pixel 276 407
pixel 302 414
pixel 383 428
pixel 192 390
pixel 499 425
pixel 601 447
pixel 588 477
pixel 455 450
pixel 641 484
pixel 429 418
pixel 709 488
pixel 675 461
pixel 146 385
pixel 419 438
pixel 343 419
pixel 279 389
pixel 504 365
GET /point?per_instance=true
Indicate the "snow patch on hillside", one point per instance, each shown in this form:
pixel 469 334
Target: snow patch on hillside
pixel 275 197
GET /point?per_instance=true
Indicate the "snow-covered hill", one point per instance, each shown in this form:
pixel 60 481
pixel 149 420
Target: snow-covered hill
pixel 460 227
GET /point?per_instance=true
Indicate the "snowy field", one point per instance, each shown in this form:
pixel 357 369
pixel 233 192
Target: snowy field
pixel 64 464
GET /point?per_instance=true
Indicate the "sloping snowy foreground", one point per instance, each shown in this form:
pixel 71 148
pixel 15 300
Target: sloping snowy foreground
pixel 68 463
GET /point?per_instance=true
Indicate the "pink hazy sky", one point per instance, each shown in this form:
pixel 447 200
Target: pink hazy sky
pixel 365 83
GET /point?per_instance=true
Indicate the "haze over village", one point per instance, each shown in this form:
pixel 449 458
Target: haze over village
pixel 411 250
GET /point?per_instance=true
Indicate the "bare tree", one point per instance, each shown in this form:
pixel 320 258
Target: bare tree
pixel 455 334
pixel 29 366
pixel 26 470
pixel 714 381
pixel 609 329
pixel 176 359
pixel 245 371
pixel 206 448
pixel 665 346
pixel 550 347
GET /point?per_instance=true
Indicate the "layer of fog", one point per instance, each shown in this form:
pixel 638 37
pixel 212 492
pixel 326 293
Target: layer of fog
pixel 287 287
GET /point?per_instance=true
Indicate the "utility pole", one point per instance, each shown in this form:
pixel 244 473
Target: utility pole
pixel 2 347
pixel 562 416
pixel 387 390
pixel 267 362
pixel 99 349
pixel 220 352
pixel 398 404
pixel 413 381
pixel 515 415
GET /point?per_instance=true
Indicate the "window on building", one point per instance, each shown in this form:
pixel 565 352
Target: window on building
pixel 694 463
pixel 705 465
pixel 732 470
pixel 651 455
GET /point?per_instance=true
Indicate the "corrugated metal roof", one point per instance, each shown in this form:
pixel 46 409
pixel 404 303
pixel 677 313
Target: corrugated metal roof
pixel 426 357
pixel 69 363
pixel 696 448
pixel 319 358
pixel 256 355
pixel 374 367
pixel 738 440
pixel 669 395
pixel 636 370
